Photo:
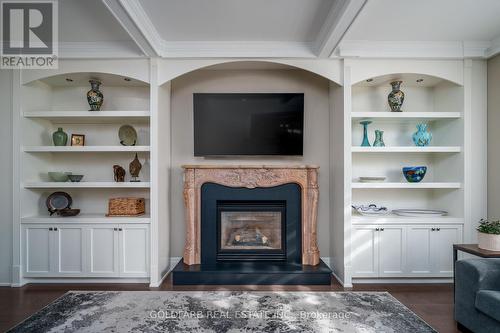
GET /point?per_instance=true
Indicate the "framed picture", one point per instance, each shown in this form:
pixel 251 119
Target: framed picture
pixel 77 140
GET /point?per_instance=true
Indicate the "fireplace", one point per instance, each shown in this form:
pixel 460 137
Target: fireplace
pixel 251 230
pixel 251 225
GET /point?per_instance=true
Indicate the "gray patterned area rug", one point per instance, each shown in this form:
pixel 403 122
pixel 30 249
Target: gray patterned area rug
pixel 220 312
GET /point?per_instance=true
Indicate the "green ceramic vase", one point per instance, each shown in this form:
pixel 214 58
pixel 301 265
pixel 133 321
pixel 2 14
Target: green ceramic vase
pixel 59 137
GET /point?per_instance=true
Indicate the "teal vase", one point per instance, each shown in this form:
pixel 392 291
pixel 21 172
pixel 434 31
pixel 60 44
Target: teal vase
pixel 379 139
pixel 366 142
pixel 59 137
pixel 422 137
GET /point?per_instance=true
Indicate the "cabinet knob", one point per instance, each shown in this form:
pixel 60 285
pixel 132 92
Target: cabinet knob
pixel 120 229
pixel 55 229
pixel 381 229
pixel 438 229
pixel 433 229
pixel 376 229
pixel 50 229
pixel 115 229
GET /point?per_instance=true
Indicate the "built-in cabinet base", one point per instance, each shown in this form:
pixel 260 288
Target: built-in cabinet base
pixel 85 250
pixel 252 273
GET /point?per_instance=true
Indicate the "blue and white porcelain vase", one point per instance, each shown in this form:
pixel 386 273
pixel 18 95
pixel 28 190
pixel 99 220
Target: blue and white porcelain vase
pixel 422 137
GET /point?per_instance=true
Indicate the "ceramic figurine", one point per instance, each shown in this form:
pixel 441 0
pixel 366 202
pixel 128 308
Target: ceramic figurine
pixel 379 139
pixel 422 137
pixel 94 96
pixel 119 173
pixel 134 168
pixel 365 124
pixel 59 137
pixel 396 97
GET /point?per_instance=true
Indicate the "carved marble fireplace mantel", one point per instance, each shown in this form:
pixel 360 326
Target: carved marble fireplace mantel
pixel 306 176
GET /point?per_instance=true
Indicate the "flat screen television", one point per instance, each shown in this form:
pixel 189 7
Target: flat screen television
pixel 248 124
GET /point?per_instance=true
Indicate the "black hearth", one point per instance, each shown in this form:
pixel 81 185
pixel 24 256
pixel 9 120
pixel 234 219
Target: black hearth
pixel 251 236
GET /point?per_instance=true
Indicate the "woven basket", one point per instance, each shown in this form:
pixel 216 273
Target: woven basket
pixel 126 207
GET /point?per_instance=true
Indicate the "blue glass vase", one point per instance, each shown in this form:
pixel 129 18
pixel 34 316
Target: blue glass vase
pixel 365 142
pixel 422 137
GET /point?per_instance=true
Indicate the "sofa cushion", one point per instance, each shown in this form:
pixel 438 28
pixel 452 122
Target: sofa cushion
pixel 488 302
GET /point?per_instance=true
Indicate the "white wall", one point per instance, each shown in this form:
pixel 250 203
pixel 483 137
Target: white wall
pixel 316 139
pixel 494 137
pixel 6 172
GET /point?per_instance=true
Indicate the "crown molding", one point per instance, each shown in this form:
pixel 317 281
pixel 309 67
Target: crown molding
pixel 339 19
pixel 414 50
pixel 123 49
pixel 494 48
pixel 135 21
pixel 237 49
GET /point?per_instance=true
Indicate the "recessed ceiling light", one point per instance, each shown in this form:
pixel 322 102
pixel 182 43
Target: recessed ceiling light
pixel 420 80
pixel 69 80
pixel 127 79
pixel 369 80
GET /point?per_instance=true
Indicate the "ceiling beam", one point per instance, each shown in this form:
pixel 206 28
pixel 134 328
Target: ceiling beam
pixel 339 19
pixel 136 23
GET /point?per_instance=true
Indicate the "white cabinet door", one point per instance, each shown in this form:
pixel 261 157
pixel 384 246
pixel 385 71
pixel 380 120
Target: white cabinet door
pixel 38 250
pixel 103 248
pixel 418 251
pixel 134 250
pixel 364 251
pixel 391 249
pixel 442 240
pixel 69 250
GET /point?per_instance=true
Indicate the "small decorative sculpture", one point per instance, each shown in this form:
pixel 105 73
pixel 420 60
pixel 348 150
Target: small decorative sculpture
pixel 119 173
pixel 396 97
pixel 365 124
pixel 135 168
pixel 95 96
pixel 379 139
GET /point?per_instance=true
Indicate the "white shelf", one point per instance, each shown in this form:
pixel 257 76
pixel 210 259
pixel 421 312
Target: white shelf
pixel 86 185
pixel 406 149
pixel 394 219
pixel 406 115
pixel 85 218
pixel 89 117
pixel 406 185
pixel 85 149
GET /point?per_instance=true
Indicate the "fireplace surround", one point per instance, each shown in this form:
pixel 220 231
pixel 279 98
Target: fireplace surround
pixel 251 224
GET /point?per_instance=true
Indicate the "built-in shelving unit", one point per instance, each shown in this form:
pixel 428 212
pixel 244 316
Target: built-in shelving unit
pixel 384 246
pixel 60 101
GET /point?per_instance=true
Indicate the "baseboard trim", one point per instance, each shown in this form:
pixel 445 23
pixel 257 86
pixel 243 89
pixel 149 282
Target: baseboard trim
pixel 82 280
pixel 5 284
pixel 401 280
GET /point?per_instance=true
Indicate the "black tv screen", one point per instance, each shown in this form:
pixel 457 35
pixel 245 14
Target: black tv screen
pixel 248 124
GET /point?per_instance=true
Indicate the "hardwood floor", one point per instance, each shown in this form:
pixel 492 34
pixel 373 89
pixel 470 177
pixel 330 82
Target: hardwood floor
pixel 433 303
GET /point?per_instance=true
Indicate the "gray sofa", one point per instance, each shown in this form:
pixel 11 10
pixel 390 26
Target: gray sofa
pixel 477 295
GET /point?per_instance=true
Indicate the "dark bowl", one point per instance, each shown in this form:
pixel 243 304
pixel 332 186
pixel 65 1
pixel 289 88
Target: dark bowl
pixel 68 212
pixel 75 178
pixel 414 174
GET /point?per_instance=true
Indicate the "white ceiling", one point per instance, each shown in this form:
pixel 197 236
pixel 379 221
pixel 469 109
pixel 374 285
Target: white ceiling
pixel 88 21
pixel 280 28
pixel 237 20
pixel 427 20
